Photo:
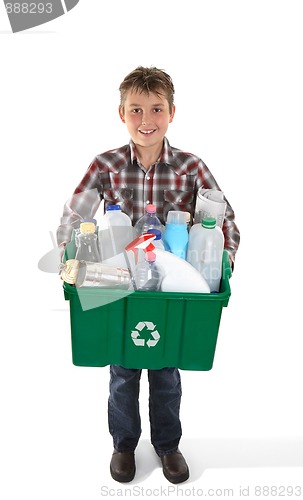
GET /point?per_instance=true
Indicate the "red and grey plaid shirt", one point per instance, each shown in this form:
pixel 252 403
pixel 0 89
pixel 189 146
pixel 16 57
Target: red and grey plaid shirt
pixel 118 177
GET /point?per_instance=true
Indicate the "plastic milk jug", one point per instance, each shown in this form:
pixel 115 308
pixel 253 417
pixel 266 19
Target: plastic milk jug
pixel 115 232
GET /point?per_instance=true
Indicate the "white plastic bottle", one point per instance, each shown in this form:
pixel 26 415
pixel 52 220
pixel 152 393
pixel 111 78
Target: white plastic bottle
pixel 148 221
pixel 87 243
pixel 179 275
pixel 148 275
pixel 205 250
pixel 115 232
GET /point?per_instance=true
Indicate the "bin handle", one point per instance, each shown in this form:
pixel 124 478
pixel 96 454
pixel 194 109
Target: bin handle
pixel 226 267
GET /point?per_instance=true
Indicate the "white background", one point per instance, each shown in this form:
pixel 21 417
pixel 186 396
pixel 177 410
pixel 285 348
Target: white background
pixel 236 66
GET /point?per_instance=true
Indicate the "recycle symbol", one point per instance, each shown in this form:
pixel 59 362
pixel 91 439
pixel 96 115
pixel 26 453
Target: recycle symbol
pixel 149 327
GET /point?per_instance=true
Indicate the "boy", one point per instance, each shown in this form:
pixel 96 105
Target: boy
pixel 147 170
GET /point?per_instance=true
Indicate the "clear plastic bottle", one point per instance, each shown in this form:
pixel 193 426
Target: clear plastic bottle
pixel 175 236
pixel 157 242
pixel 205 250
pixel 87 243
pixel 148 275
pixel 77 231
pixel 115 232
pixel 148 221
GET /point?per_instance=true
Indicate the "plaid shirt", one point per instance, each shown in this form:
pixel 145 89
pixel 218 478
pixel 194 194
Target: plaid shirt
pixel 118 177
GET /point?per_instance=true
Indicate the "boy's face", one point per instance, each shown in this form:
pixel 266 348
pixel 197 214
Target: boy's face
pixel 147 118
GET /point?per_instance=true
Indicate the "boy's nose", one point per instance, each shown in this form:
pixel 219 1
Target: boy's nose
pixel 145 119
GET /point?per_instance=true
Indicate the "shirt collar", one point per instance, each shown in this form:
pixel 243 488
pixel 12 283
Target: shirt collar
pixel 166 156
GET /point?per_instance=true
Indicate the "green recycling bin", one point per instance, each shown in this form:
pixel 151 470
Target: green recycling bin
pixel 139 329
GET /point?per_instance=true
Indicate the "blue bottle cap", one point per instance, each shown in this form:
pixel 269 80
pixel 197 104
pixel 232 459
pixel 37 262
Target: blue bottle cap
pixel 156 232
pixel 113 207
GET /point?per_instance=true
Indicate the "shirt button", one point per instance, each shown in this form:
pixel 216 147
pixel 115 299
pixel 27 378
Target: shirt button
pixel 147 202
pixel 148 177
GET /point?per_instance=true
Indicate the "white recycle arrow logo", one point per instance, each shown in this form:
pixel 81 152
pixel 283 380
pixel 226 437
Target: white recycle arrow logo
pixel 151 342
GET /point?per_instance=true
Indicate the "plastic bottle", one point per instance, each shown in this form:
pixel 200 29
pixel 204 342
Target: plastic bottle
pixel 157 242
pixel 179 275
pixel 87 243
pixel 175 236
pixel 77 231
pixel 148 221
pixel 115 232
pixel 115 217
pixel 148 275
pixel 205 250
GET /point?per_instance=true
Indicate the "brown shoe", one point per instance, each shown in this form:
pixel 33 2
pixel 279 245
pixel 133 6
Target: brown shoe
pixel 175 468
pixel 122 466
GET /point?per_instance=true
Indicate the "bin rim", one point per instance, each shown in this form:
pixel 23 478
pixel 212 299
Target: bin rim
pixel 222 296
pixel 140 294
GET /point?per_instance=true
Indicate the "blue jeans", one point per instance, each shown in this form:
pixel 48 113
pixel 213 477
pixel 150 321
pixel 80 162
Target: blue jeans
pixel 164 407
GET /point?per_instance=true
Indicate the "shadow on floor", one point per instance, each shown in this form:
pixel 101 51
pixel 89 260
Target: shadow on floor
pixel 202 454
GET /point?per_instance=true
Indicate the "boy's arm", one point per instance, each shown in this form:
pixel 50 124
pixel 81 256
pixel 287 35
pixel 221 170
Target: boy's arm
pixel 83 203
pixel 230 230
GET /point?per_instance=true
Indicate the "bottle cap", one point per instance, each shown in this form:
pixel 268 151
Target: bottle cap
pixel 113 207
pixel 89 219
pixel 176 217
pixel 209 222
pixel 150 256
pixel 87 227
pixel 150 208
pixel 156 232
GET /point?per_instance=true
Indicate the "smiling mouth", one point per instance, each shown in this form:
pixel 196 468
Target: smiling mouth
pixel 147 132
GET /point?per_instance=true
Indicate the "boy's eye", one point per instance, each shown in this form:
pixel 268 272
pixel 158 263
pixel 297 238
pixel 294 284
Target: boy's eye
pixel 136 110
pixel 157 110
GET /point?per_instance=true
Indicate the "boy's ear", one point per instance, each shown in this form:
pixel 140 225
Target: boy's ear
pixel 172 114
pixel 121 114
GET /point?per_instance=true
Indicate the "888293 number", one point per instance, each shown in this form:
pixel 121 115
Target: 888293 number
pixel 277 491
pixel 29 8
